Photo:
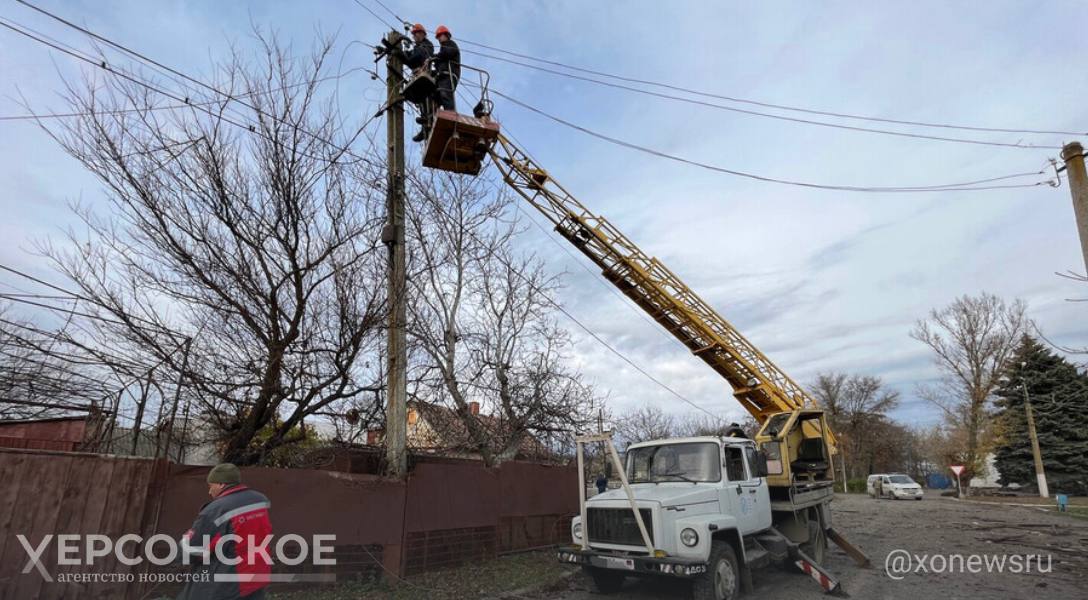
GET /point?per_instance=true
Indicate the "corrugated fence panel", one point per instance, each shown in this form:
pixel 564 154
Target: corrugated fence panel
pixel 447 513
pixel 52 493
pixel 538 502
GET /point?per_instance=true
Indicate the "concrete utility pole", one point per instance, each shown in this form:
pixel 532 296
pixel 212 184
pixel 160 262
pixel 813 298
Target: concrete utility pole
pixel 1040 475
pixel 396 397
pixel 1073 155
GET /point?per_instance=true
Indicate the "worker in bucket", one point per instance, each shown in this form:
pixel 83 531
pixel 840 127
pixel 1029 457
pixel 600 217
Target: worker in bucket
pixel 447 68
pixel 243 515
pixel 417 58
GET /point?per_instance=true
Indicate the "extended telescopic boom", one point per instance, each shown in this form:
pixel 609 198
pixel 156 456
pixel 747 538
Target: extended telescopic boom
pixel 757 383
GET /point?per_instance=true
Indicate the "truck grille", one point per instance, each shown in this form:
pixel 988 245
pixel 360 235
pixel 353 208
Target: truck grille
pixel 617 526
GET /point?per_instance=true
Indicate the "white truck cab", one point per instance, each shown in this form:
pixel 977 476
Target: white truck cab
pixel 707 513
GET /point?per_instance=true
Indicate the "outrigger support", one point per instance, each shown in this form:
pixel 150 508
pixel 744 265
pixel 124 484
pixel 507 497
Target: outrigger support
pixel 858 556
pixel 827 582
pixel 581 441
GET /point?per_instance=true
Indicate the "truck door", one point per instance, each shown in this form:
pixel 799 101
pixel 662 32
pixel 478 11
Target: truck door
pixel 746 495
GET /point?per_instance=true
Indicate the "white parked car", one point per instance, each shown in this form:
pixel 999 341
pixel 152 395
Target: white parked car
pixel 892 485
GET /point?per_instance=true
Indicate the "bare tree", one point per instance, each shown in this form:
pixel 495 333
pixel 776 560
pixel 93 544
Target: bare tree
pixel 971 340
pixel 645 423
pixel 481 323
pixel 241 260
pixel 39 379
pixel 857 409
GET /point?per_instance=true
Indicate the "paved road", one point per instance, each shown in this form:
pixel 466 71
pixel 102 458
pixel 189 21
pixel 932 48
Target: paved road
pixel 932 527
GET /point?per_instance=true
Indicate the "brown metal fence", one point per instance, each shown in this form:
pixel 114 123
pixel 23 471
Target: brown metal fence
pixel 58 493
pixel 447 512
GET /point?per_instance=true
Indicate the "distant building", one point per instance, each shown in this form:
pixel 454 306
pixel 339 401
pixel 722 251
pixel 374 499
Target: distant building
pixel 988 476
pixel 438 430
pixel 66 434
pixel 93 433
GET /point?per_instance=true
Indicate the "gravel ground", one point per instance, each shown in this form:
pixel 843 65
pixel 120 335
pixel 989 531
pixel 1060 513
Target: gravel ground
pixel 932 527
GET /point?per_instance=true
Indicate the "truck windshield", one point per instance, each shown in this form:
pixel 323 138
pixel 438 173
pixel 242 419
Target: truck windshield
pixel 696 461
pixel 900 479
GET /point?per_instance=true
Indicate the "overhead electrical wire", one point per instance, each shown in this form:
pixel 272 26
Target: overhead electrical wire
pixel 75 296
pixel 770 115
pixel 585 327
pixel 751 102
pixel 377 16
pixel 555 303
pixel 121 111
pixel 735 99
pixel 595 134
pixel 974 185
pixel 105 66
pixel 624 300
pixel 147 60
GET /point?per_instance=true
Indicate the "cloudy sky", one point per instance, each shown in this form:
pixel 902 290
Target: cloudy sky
pixel 820 280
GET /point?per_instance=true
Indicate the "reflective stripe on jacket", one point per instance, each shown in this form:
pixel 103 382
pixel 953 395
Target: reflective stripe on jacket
pixel 241 512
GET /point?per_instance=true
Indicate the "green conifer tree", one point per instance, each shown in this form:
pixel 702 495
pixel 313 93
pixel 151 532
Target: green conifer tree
pixel 1059 400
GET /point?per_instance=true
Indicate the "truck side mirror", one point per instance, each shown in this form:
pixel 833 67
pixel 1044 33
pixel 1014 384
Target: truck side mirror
pixel 760 467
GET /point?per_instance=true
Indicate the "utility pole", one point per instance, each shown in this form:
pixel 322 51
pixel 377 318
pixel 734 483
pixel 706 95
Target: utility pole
pixel 1040 475
pixel 1073 155
pixel 396 397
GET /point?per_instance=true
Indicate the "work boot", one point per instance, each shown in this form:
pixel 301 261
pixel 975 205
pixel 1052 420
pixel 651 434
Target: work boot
pixel 419 137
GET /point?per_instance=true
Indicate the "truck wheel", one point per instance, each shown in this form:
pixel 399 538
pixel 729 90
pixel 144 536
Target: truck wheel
pixel 604 580
pixel 722 579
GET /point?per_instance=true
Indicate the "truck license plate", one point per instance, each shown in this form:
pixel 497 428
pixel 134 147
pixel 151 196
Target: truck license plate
pixel 619 563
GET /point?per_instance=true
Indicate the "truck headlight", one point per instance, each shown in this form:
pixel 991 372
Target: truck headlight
pixel 577 530
pixel 688 537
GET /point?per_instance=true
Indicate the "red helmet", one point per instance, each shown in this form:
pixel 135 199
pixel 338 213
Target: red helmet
pixel 442 29
pixel 419 28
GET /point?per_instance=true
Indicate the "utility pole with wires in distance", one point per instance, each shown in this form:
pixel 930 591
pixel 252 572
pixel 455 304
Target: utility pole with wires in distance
pixel 1073 155
pixel 396 412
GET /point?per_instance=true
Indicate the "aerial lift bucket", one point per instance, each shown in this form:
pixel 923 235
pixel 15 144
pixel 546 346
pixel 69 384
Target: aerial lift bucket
pixel 459 143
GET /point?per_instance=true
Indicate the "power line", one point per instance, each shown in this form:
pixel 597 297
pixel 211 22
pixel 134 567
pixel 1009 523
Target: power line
pixel 961 186
pixel 537 290
pixel 772 105
pixel 134 79
pixel 566 249
pixel 122 111
pixel 341 150
pixel 74 296
pixel 390 11
pixel 376 15
pixel 770 115
pixel 611 289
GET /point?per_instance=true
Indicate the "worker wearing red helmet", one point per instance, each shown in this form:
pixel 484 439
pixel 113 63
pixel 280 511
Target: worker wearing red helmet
pixel 416 58
pixel 421 49
pixel 447 68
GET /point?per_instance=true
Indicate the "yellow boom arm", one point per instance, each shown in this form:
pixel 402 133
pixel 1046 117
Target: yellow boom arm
pixel 757 383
